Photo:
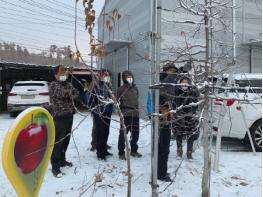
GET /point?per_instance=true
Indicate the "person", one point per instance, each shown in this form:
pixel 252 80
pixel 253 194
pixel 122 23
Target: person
pixel 186 124
pixel 128 97
pixel 170 74
pixel 167 94
pixel 87 87
pixel 99 100
pixel 62 95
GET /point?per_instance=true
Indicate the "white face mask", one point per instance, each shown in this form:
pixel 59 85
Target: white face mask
pixel 63 78
pixel 184 87
pixel 129 80
pixel 106 79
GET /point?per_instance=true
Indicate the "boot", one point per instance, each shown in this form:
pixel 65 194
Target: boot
pixel 57 173
pixel 66 163
pixel 189 155
pixel 107 153
pixel 101 158
pixel 166 178
pixel 136 154
pixel 180 151
pixel 122 156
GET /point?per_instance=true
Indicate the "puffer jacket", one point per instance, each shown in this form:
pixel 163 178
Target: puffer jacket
pixel 167 95
pixel 62 95
pixel 186 117
pixel 128 96
pixel 99 99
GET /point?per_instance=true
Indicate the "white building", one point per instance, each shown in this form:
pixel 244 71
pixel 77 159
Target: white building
pixel 128 40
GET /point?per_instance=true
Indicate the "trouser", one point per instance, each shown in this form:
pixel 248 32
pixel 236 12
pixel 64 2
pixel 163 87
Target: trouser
pixel 163 149
pixel 190 141
pixel 63 128
pixel 102 125
pixel 132 124
pixel 93 134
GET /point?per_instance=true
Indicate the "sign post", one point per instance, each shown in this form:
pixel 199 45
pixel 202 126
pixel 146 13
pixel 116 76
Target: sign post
pixel 27 149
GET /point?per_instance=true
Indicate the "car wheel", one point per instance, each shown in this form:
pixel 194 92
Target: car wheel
pixel 256 134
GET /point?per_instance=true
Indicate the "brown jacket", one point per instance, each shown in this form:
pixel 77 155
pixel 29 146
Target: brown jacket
pixel 62 95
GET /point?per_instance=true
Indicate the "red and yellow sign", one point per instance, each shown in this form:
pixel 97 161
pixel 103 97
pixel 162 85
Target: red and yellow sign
pixel 27 150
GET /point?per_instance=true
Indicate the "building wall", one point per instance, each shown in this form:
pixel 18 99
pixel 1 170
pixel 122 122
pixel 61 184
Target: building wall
pixel 133 26
pixel 248 29
pixel 135 23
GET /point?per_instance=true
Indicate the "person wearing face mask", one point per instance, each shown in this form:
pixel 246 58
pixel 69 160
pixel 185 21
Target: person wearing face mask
pixel 128 97
pixel 62 95
pixel 186 124
pixel 101 104
pixel 87 88
pixel 167 94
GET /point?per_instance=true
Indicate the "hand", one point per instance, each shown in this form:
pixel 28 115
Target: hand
pixel 166 114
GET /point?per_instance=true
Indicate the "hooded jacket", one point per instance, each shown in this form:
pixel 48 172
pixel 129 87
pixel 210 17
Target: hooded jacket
pixel 128 96
pixel 184 98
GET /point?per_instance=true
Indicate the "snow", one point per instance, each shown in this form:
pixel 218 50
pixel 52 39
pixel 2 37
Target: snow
pixel 240 172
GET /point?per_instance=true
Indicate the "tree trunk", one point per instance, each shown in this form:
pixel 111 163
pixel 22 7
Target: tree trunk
pixel 206 172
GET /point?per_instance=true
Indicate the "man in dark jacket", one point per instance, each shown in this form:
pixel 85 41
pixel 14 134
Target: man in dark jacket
pixel 128 96
pixel 186 124
pixel 87 88
pixel 167 95
pixel 62 95
pixel 99 100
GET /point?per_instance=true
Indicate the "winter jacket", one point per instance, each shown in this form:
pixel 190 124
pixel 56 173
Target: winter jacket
pixel 99 99
pixel 62 95
pixel 167 95
pixel 184 98
pixel 128 96
pixel 186 120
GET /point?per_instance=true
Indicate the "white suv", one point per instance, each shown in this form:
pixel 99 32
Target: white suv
pixel 228 115
pixel 25 94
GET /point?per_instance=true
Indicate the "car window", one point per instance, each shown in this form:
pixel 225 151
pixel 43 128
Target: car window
pixel 251 83
pixel 29 84
pixel 254 84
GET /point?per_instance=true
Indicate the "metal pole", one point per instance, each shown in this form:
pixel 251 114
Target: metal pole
pixel 157 9
pixel 234 30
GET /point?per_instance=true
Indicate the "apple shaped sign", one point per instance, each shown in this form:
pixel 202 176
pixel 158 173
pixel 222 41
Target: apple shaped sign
pixel 27 150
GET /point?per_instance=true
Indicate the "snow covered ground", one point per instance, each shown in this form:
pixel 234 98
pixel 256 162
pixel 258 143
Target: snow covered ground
pixel 240 173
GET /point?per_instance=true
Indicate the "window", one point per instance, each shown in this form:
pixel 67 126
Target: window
pixel 254 84
pixel 29 84
pixel 251 83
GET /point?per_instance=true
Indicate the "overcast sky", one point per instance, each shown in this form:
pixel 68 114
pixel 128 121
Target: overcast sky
pixel 38 24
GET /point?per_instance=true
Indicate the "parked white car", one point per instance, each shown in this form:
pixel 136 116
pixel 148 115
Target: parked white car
pixel 26 94
pixel 229 120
